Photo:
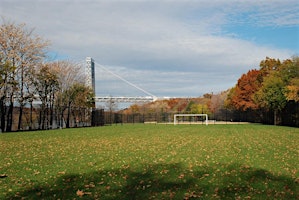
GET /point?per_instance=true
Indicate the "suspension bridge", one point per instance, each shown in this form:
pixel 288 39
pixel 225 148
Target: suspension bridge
pixel 90 81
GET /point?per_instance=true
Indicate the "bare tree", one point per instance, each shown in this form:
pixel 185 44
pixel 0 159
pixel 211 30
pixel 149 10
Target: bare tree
pixel 68 73
pixel 23 50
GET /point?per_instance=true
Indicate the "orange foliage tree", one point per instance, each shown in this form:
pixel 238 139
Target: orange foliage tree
pixel 243 93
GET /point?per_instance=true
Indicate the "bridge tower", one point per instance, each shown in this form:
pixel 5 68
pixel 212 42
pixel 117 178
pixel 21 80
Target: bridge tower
pixel 89 73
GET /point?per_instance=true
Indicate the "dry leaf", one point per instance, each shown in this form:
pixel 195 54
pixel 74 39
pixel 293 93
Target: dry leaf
pixel 3 175
pixel 80 193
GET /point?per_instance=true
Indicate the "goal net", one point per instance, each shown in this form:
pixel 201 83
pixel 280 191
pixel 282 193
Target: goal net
pixel 190 118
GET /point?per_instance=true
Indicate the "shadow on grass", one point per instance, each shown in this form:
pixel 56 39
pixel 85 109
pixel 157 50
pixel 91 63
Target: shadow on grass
pixel 167 181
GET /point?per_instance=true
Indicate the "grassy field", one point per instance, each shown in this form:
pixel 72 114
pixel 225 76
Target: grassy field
pixel 151 162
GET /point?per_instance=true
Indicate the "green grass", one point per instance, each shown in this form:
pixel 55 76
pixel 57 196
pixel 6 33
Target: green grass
pixel 151 162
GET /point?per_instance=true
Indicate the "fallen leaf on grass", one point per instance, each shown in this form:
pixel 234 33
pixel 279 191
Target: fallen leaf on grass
pixel 80 193
pixel 3 175
pixel 36 172
pixel 90 185
pixel 192 195
pixel 38 193
pixel 181 176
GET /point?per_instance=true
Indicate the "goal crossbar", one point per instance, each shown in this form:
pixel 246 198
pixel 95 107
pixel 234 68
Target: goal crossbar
pixel 189 115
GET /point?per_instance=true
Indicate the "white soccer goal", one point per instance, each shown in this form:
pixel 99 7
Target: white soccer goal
pixel 177 116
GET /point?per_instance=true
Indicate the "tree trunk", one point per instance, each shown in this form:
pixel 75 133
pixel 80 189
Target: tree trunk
pixel 51 118
pixel 277 117
pixel 42 117
pixel 68 116
pixel 40 120
pixel 20 117
pixel 10 116
pixel 52 101
pixel 62 119
pixel 2 113
pixel 74 118
pixel 21 99
pixel 31 121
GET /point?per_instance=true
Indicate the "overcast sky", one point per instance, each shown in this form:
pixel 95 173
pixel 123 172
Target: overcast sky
pixel 171 48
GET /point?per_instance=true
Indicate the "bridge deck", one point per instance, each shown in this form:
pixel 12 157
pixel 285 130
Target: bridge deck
pixel 124 99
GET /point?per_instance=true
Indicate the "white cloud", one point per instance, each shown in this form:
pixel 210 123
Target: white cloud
pixel 169 48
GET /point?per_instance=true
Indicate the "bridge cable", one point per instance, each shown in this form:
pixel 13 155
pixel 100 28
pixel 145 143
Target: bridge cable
pixel 126 81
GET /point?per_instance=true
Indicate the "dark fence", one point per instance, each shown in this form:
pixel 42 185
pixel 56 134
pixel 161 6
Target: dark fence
pixel 98 117
pixel 289 117
pixel 34 119
pixel 220 116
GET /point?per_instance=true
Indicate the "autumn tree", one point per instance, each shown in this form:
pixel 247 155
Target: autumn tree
pixel 217 101
pixel 271 96
pixel 274 92
pixel 23 50
pixel 199 108
pixel 268 65
pixel 46 85
pixel 242 97
pixel 292 89
pixel 172 103
pixel 135 108
pixel 79 96
pixel 6 83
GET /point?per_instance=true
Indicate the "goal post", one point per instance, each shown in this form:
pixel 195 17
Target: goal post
pixel 176 116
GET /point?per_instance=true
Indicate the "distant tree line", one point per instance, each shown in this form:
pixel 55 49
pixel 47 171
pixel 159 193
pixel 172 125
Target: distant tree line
pixel 27 77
